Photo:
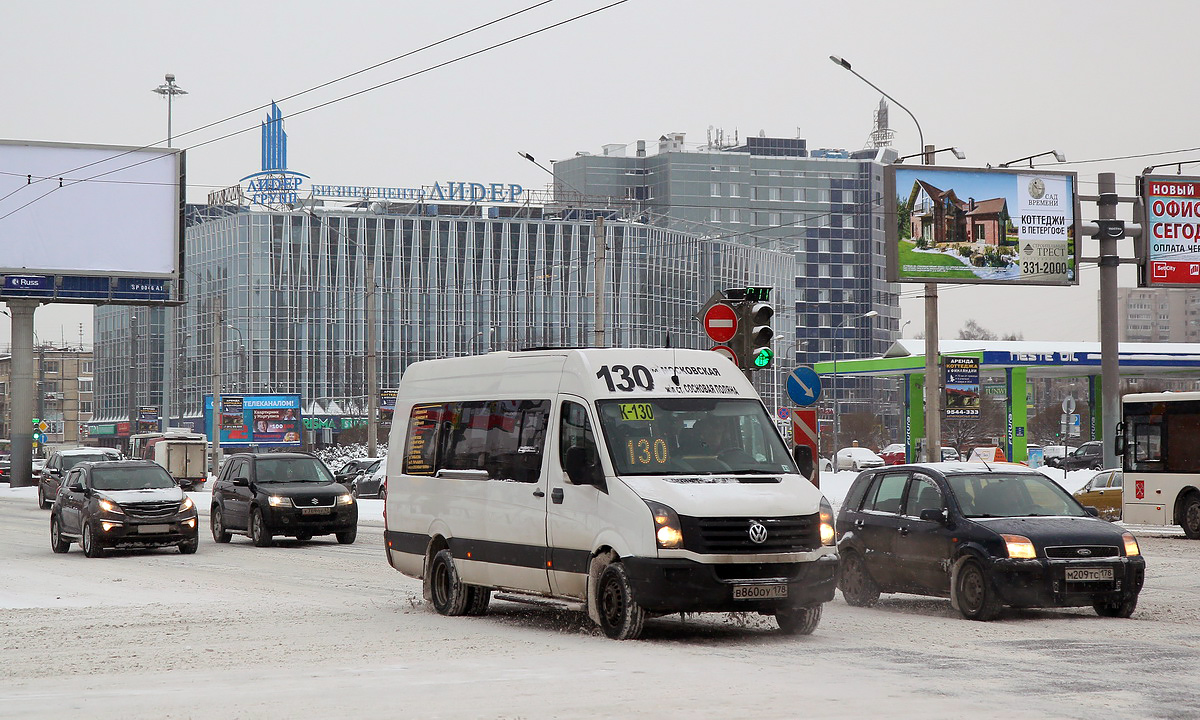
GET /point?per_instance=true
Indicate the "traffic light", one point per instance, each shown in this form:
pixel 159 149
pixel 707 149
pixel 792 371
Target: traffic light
pixel 756 319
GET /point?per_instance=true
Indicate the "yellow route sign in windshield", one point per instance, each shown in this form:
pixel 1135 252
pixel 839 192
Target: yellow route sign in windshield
pixel 636 411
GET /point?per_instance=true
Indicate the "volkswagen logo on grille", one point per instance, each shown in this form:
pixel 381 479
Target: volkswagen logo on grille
pixel 1083 551
pixel 313 501
pixel 758 532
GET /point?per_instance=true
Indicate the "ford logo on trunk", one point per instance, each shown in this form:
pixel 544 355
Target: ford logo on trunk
pixel 758 532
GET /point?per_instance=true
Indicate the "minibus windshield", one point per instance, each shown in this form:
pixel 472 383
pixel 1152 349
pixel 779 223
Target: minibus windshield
pixel 671 436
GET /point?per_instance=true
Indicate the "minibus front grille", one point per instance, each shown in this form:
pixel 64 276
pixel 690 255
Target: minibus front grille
pixel 721 535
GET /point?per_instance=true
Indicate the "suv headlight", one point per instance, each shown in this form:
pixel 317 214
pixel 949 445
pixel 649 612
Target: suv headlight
pixel 345 499
pixel 109 506
pixel 279 501
pixel 667 531
pixel 827 535
pixel 187 504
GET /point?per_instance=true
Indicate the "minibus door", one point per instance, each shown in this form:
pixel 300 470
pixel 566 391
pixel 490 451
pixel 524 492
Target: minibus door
pixel 574 511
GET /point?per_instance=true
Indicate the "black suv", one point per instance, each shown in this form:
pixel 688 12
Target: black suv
pixel 1088 456
pixel 121 504
pixel 1008 536
pixel 60 462
pixel 294 494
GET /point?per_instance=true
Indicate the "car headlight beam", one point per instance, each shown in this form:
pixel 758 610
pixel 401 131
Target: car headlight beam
pixel 828 537
pixel 668 533
pixel 187 504
pixel 345 499
pixel 109 506
pixel 1020 547
pixel 279 501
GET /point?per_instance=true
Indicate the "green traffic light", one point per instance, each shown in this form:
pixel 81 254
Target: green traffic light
pixel 763 357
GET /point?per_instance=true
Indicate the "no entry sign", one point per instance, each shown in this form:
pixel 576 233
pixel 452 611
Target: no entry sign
pixel 720 323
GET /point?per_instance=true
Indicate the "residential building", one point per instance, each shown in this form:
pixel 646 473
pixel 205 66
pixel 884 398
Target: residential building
pixel 63 398
pixel 1159 314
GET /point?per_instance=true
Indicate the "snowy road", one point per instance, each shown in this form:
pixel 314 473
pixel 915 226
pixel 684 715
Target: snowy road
pixel 319 630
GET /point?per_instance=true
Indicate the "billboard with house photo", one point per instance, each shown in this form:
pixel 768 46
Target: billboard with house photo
pixel 997 226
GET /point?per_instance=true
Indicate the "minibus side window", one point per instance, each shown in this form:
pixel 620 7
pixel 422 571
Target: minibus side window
pixel 466 437
pixel 517 439
pixel 420 449
pixel 575 431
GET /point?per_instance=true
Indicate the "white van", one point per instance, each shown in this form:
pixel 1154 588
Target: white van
pixel 624 482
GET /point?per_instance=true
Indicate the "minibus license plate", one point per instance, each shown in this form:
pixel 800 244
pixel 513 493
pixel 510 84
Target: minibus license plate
pixel 759 592
pixel 315 511
pixel 153 529
pixel 1089 574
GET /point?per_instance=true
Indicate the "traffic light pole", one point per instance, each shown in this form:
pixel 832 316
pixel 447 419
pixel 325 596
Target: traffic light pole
pixel 601 271
pixel 22 389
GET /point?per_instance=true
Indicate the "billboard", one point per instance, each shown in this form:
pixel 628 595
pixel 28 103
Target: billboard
pixel 997 226
pixel 264 420
pixel 962 386
pixel 1172 237
pixel 77 210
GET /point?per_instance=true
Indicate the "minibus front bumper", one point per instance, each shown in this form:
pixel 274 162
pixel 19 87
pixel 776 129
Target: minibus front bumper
pixel 672 585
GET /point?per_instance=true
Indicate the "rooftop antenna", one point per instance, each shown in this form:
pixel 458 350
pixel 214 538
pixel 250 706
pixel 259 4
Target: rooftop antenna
pixel 674 370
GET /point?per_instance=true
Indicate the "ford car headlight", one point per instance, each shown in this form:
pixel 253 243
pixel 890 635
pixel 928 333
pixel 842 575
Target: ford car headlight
pixel 667 531
pixel 1131 545
pixel 827 535
pixel 1019 547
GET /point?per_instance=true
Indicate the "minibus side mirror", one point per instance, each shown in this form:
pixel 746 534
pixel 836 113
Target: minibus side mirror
pixel 583 466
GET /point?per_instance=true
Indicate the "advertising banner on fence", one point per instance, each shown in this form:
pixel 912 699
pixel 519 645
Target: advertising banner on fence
pixel 999 226
pixel 962 386
pixel 267 420
pixel 1172 238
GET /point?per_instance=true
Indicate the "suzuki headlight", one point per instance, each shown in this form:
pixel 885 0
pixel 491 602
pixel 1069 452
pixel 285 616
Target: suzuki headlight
pixel 667 531
pixel 279 501
pixel 1131 545
pixel 827 535
pixel 187 504
pixel 109 506
pixel 1020 547
pixel 345 499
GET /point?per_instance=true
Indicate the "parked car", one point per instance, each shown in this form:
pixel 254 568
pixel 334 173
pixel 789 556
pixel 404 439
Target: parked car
pixel 857 458
pixel 985 539
pixel 1052 455
pixel 122 504
pixel 262 495
pixel 347 473
pixel 826 465
pixel 950 454
pixel 373 481
pixel 894 454
pixel 1103 492
pixel 60 462
pixel 1088 456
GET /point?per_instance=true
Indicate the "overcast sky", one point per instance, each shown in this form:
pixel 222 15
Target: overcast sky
pixel 1092 80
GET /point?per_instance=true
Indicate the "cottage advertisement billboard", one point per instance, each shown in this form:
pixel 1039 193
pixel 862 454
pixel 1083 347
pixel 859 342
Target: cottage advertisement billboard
pixel 997 226
pixel 1172 238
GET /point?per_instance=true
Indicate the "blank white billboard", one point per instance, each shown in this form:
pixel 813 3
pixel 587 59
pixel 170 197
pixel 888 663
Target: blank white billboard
pixel 89 210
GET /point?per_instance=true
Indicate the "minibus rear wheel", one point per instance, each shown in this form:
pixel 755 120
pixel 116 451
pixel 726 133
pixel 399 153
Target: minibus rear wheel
pixel 621 618
pixel 448 594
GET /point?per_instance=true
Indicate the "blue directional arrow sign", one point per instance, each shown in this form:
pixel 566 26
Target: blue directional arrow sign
pixel 804 386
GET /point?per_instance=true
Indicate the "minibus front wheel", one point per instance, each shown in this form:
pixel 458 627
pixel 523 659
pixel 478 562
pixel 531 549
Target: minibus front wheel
pixel 621 618
pixel 798 620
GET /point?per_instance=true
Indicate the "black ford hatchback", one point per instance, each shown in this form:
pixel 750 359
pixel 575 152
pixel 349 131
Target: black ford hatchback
pixel 292 494
pixel 985 537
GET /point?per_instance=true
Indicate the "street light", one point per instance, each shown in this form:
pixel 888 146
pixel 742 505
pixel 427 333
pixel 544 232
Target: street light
pixel 837 415
pixel 1057 156
pixel 933 412
pixel 169 90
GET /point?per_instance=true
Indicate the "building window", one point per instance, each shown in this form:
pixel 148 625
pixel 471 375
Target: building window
pixel 50 366
pixel 85 406
pixel 86 367
pixel 85 385
pixel 734 191
pixel 714 189
pixel 980 234
pixel 735 216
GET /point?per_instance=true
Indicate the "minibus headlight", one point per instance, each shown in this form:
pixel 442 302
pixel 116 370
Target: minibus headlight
pixel 1131 545
pixel 667 530
pixel 827 534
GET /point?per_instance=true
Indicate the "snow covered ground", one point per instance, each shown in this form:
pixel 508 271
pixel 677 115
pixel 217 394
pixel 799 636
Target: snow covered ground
pixel 321 630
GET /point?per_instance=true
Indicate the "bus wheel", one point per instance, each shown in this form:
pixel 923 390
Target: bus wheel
pixel 1190 519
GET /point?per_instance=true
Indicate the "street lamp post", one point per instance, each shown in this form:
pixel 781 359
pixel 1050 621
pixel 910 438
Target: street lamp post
pixel 837 414
pixel 933 411
pixel 170 314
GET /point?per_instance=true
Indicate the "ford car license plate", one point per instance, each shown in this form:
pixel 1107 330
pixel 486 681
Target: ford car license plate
pixel 1089 574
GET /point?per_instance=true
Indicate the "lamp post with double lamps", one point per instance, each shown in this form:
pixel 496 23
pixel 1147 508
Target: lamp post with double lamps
pixel 837 414
pixel 933 410
pixel 169 90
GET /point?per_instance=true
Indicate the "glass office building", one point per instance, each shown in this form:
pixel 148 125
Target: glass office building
pixel 276 301
pixel 824 208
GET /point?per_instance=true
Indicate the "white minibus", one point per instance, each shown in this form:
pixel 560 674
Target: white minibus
pixel 627 483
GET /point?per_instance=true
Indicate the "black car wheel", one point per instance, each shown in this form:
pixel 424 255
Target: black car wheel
pixel 621 618
pixel 798 621
pixel 1191 516
pixel 449 596
pixel 188 547
pixel 258 530
pixel 856 583
pixel 976 598
pixel 382 491
pixel 1116 609
pixel 304 537
pixel 42 497
pixel 347 537
pixel 216 521
pixel 91 544
pixel 58 543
